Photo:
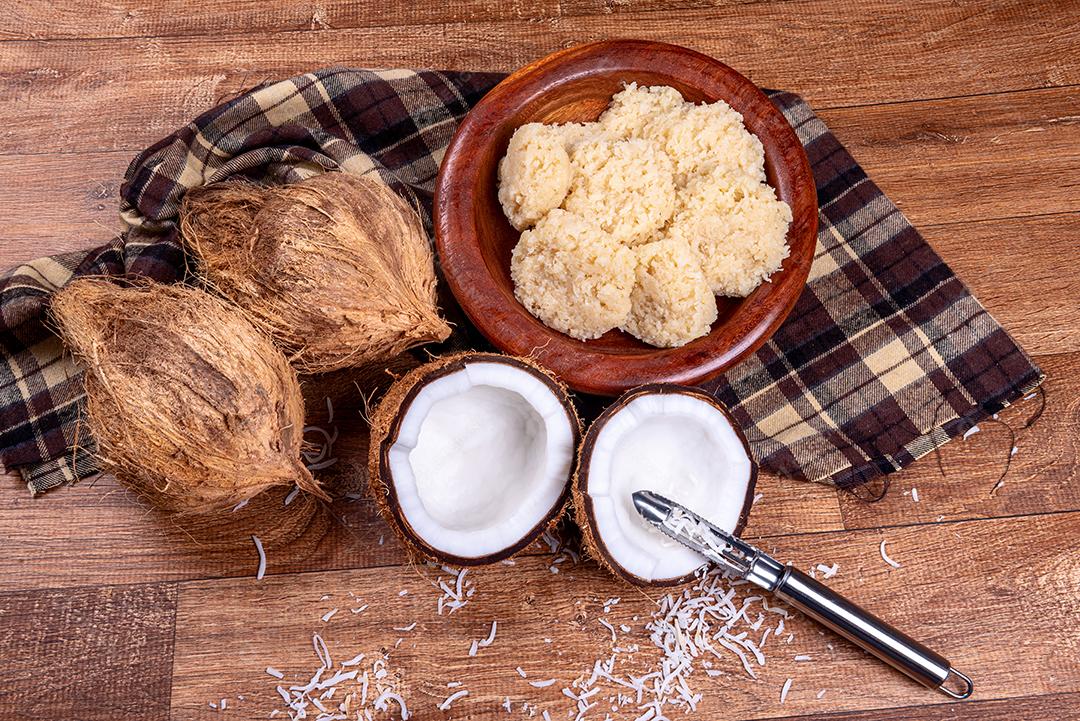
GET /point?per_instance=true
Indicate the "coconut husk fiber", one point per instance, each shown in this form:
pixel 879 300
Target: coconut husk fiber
pixel 337 269
pixel 190 405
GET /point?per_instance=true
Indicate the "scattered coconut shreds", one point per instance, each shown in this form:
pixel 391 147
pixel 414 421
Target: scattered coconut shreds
pixel 542 684
pixel 803 657
pixel 1029 396
pixel 821 693
pixel 240 505
pixel 506 704
pixel 970 432
pixel 361 609
pixel 784 691
pixel 346 692
pixel 473 648
pixel 915 494
pixel 757 497
pixel 700 625
pixel 451 698
pixel 410 627
pixel 885 556
pixel 329 614
pixel 262 558
pixel 403 592
pixel 457 596
pixel 521 672
pixel 275 673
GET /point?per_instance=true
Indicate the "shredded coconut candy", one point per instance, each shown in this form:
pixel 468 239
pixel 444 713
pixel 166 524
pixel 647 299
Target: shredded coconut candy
pixel 885 556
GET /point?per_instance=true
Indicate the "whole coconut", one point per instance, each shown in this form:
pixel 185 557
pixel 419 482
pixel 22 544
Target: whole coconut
pixel 191 406
pixel 337 269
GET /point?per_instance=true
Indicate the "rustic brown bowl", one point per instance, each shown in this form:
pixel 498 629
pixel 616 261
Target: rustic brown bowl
pixel 474 239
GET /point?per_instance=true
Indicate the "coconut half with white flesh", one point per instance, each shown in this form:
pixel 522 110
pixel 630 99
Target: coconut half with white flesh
pixel 679 442
pixel 471 456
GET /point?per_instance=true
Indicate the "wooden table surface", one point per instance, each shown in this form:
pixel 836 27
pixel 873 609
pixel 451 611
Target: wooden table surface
pixel 966 114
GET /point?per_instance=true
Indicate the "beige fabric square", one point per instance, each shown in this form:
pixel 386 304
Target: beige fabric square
pixel 785 425
pixel 894 366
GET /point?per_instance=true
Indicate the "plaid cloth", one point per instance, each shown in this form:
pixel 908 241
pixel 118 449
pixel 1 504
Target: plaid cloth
pixel 885 357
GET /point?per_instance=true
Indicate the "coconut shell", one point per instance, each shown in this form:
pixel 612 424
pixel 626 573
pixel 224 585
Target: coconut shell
pixel 385 421
pixel 337 269
pixel 592 543
pixel 190 405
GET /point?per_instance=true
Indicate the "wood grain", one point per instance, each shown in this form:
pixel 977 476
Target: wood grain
pixel 1042 476
pixel 229 631
pixel 148 86
pixel 963 159
pixel 92 653
pixel 177 18
pixel 1058 706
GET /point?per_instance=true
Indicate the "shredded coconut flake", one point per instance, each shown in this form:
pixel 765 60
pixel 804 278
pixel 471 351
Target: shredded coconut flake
pixel 970 432
pixel 784 691
pixel 542 684
pixel 451 698
pixel 885 556
pixel 262 558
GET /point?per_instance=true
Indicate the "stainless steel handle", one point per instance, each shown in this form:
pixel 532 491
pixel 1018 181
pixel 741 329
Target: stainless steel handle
pixel 870 633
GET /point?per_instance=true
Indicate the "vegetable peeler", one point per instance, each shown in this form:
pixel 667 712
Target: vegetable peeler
pixel 804 593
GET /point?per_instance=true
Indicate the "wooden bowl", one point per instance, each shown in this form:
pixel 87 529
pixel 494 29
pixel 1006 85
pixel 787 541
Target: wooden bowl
pixel 474 239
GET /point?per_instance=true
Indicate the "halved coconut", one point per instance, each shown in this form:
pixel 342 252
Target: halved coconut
pixel 471 456
pixel 679 442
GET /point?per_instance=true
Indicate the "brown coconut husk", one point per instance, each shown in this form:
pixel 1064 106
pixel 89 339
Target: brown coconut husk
pixel 384 430
pixel 191 407
pixel 337 269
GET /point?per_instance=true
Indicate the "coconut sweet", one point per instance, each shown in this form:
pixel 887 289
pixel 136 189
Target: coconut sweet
pixel 190 405
pixel 471 456
pixel 679 442
pixel 337 269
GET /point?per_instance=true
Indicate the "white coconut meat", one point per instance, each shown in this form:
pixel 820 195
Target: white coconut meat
pixel 482 459
pixel 677 443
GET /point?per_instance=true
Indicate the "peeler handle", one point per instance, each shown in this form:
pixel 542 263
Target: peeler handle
pixel 870 633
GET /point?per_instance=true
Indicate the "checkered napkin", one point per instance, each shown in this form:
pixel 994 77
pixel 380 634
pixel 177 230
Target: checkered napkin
pixel 885 357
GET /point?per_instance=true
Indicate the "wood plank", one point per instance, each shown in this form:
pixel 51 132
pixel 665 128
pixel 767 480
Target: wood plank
pixel 97 653
pixel 176 18
pixel 1058 706
pixel 961 588
pixel 147 86
pixel 965 159
pixel 1015 268
pixel 1041 477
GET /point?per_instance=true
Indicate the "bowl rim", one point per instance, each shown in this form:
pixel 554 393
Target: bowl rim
pixel 512 329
